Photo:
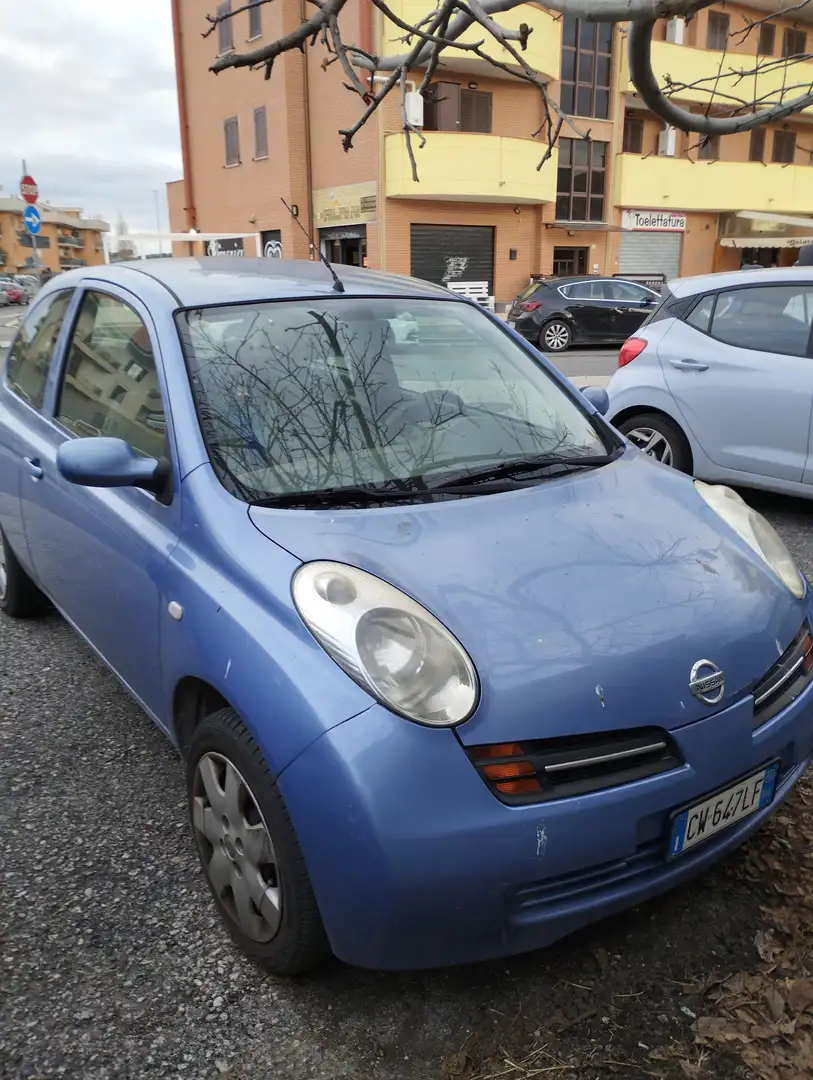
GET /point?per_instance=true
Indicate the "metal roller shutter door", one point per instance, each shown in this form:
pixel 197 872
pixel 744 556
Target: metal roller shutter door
pixel 650 253
pixel 444 253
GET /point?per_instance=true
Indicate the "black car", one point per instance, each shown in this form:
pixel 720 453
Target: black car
pixel 555 313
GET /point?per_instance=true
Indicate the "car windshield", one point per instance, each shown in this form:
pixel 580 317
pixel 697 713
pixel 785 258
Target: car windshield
pixel 309 396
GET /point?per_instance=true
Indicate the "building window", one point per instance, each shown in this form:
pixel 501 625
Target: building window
pixel 709 149
pixel 767 38
pixel 757 150
pixel 231 132
pixel 784 147
pixel 450 107
pixel 260 134
pixel 794 43
pixel 586 62
pixel 717 33
pixel 255 20
pixel 475 111
pixel 580 180
pixel 225 30
pixel 633 135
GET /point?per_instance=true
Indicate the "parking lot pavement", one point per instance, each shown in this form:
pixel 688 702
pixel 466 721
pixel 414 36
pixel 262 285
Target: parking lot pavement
pixel 113 964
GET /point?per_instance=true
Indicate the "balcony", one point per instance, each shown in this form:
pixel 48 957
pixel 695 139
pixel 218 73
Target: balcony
pixel 685 64
pixel 664 183
pixel 70 241
pixel 544 44
pixel 464 167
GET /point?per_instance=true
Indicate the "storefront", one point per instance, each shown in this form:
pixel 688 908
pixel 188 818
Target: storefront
pixel 341 216
pixel 651 244
pixel 753 238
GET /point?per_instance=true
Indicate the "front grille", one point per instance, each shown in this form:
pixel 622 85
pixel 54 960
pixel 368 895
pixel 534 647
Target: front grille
pixel 545 769
pixel 786 680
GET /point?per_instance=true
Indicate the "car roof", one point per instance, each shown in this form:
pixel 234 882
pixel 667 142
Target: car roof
pixel 730 279
pixel 223 280
pixel 573 279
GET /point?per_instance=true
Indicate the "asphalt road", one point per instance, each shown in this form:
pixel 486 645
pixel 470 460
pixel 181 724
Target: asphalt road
pixel 113 963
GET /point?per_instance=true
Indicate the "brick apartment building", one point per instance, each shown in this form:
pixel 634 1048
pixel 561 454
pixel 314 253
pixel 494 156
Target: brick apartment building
pixel 67 239
pixel 637 199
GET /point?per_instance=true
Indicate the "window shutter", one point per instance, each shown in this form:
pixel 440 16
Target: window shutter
pixel 475 111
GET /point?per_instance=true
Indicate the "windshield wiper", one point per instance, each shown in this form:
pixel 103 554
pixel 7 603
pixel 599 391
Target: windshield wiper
pixel 370 496
pixel 505 470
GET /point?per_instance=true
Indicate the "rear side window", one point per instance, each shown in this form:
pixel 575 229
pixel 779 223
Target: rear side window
pixel 700 315
pixel 770 318
pixel 670 307
pixel 28 363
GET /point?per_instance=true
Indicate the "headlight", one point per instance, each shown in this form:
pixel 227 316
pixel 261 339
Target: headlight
pixel 755 531
pixel 387 642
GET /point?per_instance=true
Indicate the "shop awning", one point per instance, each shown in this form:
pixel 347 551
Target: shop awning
pixel 776 219
pixel 765 241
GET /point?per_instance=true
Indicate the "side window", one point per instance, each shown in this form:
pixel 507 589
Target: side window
pixel 626 291
pixel 773 318
pixel 700 315
pixel 585 290
pixel 110 385
pixel 27 369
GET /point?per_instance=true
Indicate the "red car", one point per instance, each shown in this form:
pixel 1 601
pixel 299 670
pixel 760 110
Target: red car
pixel 16 293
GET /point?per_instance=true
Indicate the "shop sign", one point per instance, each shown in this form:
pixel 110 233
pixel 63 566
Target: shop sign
pixel 352 204
pixel 798 241
pixel 230 246
pixel 653 221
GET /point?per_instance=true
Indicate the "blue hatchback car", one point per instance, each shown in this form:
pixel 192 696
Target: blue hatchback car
pixel 454 669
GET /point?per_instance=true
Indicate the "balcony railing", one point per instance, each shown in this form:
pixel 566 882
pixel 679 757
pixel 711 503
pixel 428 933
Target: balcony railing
pixel 665 183
pixel 70 241
pixel 543 52
pixel 465 167
pixel 686 64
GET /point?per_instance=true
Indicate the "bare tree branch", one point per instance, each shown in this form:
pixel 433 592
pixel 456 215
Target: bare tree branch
pixel 728 106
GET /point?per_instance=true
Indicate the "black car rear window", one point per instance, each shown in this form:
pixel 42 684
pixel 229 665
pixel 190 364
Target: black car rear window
pixel 529 290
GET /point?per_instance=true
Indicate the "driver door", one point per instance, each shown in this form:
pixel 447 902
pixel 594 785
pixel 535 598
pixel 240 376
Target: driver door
pixel 100 553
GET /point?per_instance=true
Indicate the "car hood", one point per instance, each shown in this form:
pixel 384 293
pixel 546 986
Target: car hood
pixel 583 601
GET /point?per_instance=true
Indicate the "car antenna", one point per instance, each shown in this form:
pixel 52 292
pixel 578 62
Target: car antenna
pixel 337 285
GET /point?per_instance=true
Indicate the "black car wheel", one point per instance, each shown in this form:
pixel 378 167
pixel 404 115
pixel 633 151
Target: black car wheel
pixel 19 596
pixel 659 438
pixel 249 851
pixel 555 336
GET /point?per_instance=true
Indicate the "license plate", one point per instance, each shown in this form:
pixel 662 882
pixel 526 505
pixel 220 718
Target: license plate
pixel 698 823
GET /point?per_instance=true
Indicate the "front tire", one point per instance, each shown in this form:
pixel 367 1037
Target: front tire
pixel 659 438
pixel 249 851
pixel 555 336
pixel 19 596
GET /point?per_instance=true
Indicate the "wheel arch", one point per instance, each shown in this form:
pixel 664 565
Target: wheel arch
pixel 653 410
pixel 193 700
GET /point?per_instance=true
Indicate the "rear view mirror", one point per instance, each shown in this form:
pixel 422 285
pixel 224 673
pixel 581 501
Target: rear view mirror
pixel 598 398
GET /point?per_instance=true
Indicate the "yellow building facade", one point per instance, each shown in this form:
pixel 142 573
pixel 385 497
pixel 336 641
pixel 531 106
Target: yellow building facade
pixel 67 239
pixel 634 198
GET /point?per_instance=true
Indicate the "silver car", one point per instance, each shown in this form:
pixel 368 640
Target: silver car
pixel 718 381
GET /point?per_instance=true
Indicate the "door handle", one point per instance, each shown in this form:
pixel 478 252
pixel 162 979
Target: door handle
pixel 689 365
pixel 34 467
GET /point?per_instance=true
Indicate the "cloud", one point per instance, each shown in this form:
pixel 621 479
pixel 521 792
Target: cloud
pixel 94 104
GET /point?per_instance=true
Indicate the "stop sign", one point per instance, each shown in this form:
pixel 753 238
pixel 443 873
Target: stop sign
pixel 29 190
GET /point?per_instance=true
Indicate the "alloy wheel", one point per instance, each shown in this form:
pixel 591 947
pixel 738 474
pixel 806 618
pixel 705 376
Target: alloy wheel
pixel 653 444
pixel 556 337
pixel 3 571
pixel 236 848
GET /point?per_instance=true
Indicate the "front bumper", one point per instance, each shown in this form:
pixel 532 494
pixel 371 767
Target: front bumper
pixel 416 864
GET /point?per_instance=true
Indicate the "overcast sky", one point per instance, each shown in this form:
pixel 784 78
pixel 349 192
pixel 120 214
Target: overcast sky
pixel 89 101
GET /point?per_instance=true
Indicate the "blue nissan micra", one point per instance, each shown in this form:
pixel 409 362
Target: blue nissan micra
pixel 454 669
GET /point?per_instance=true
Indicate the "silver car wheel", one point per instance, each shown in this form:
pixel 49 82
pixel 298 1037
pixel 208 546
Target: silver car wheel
pixel 236 848
pixel 556 337
pixel 3 571
pixel 653 444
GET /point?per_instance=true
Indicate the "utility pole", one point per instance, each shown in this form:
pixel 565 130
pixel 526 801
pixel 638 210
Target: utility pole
pixel 158 223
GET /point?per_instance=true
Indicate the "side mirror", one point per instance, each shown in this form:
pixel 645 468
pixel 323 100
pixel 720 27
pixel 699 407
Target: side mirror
pixel 598 398
pixel 101 462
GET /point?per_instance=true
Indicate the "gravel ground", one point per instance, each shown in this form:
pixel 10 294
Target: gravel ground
pixel 114 964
